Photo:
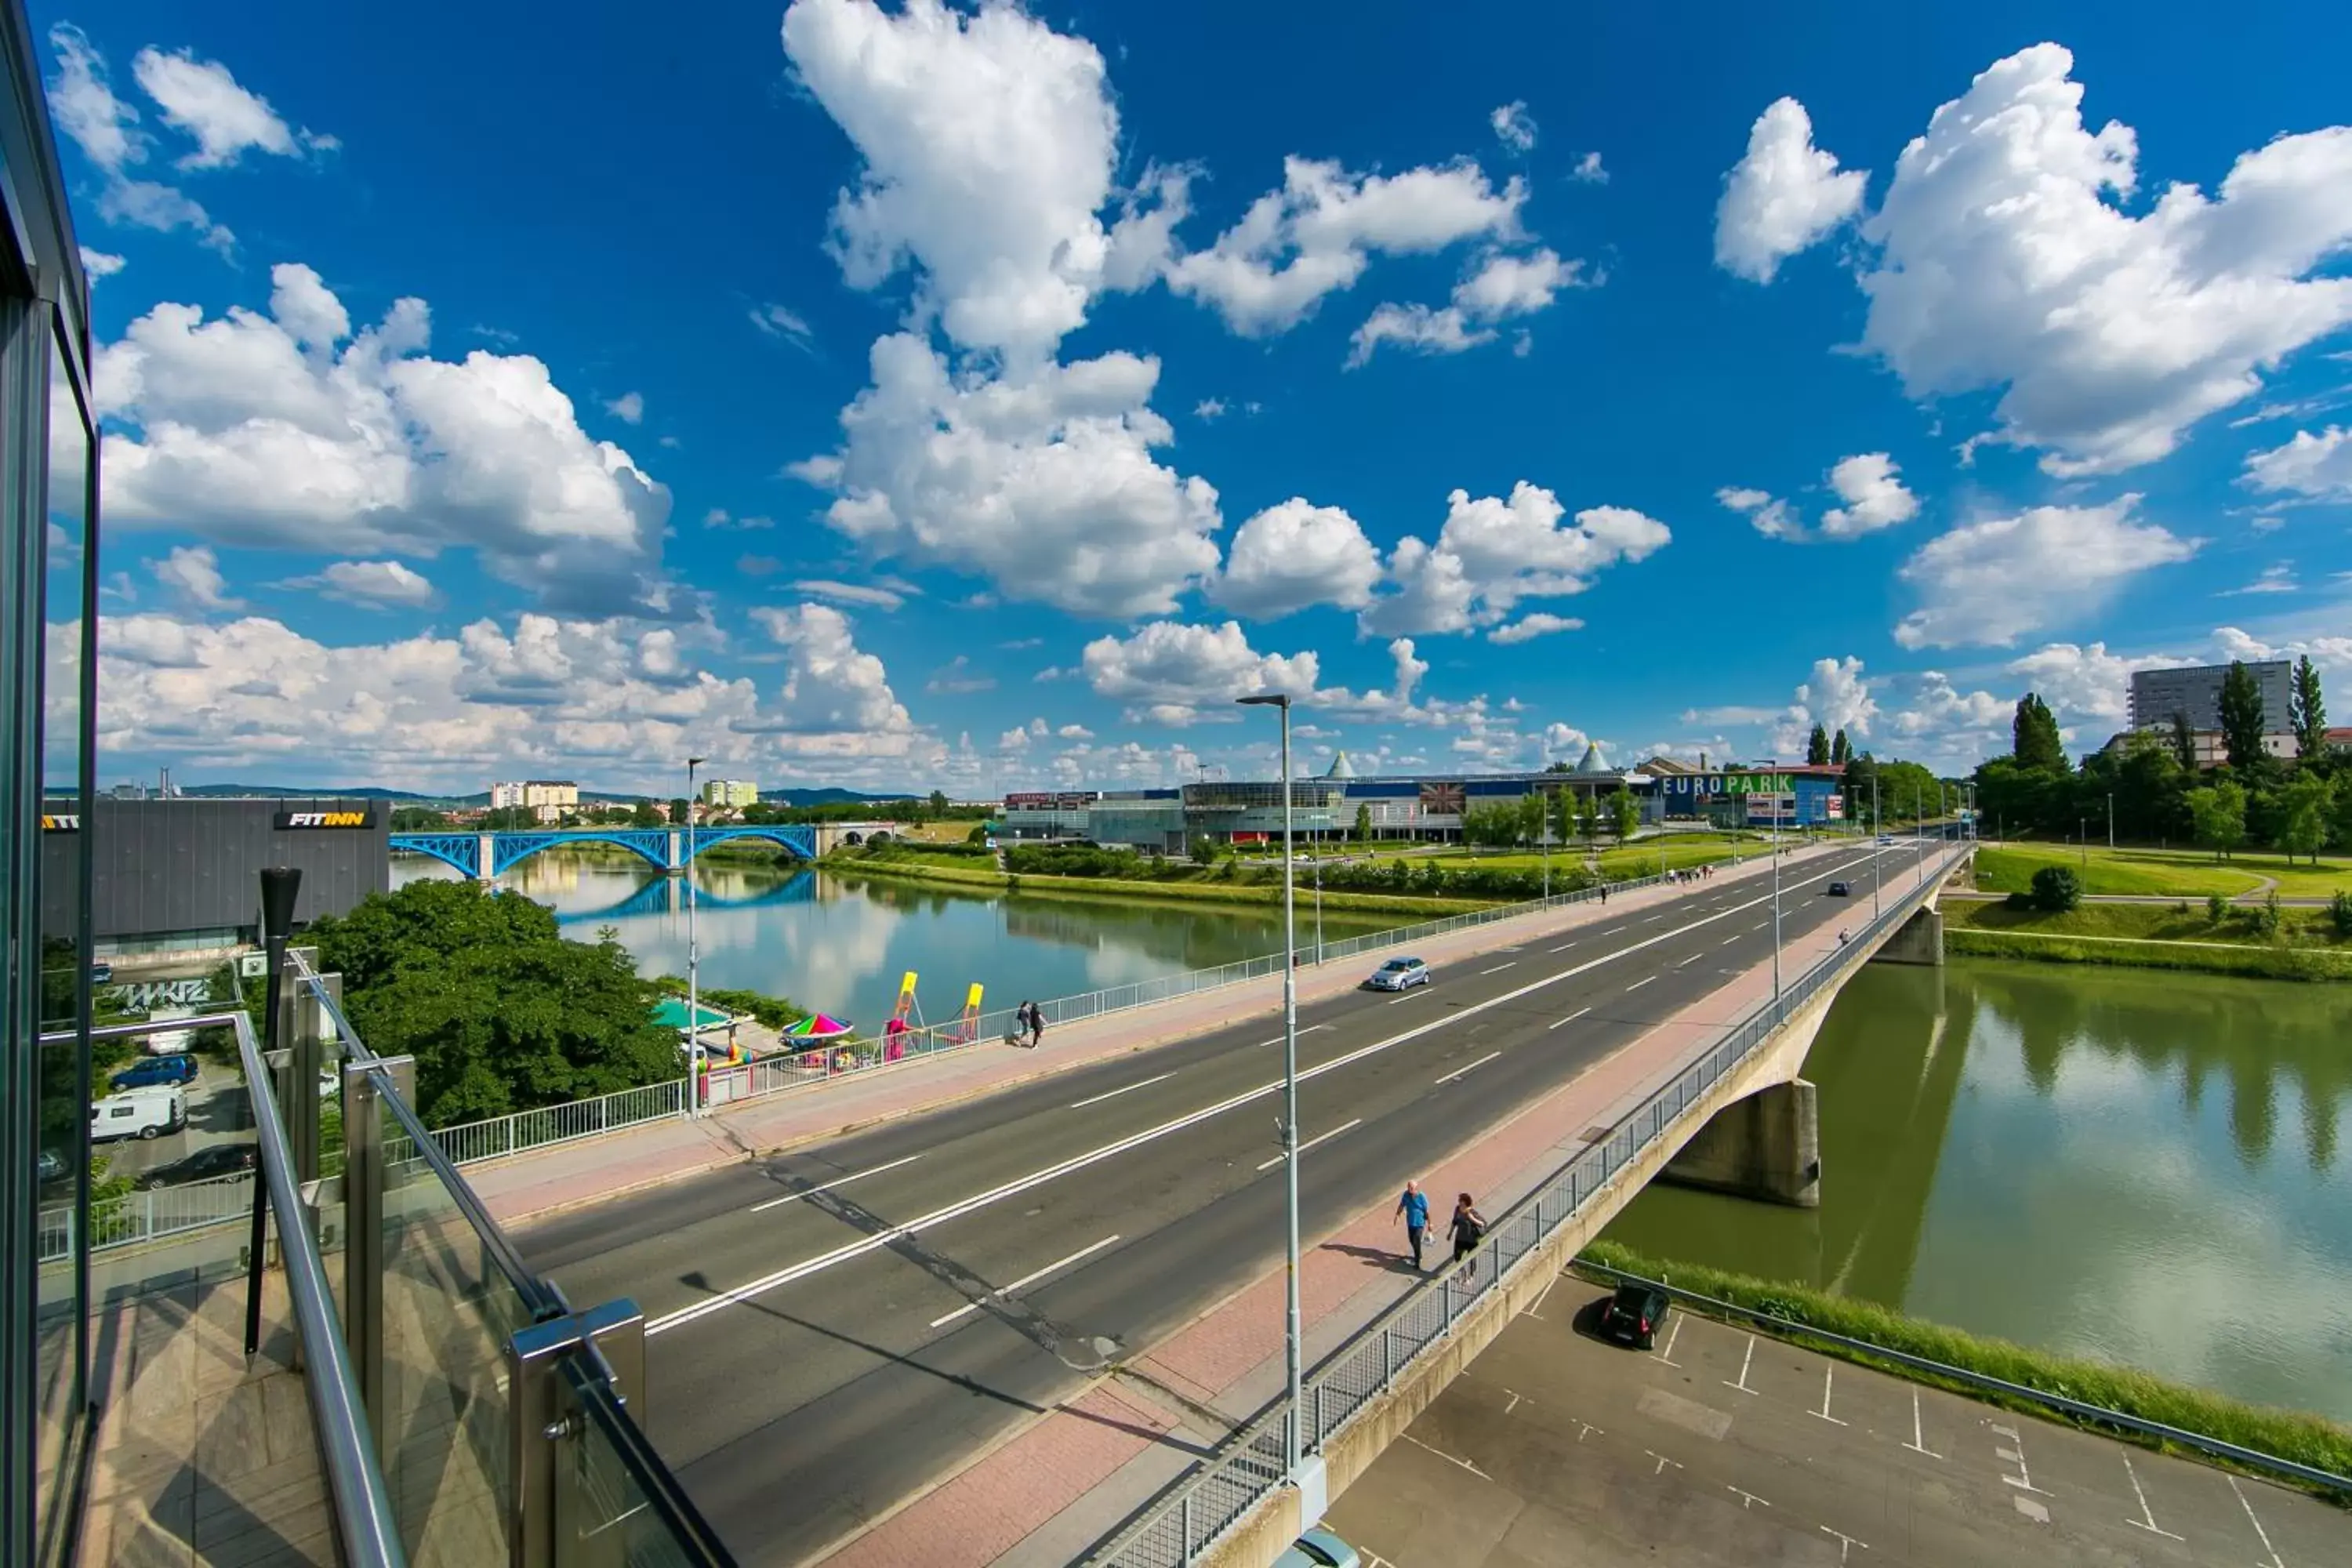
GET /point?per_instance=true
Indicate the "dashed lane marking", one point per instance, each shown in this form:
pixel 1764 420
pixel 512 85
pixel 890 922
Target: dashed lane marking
pixel 1639 983
pixel 1473 1067
pixel 1308 1030
pixel 1319 1138
pixel 1114 1094
pixel 836 1182
pixel 1498 968
pixel 1024 1281
pixel 1563 947
pixel 1571 1018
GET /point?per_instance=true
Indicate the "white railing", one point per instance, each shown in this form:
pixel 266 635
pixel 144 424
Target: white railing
pixel 147 1216
pixel 1201 1506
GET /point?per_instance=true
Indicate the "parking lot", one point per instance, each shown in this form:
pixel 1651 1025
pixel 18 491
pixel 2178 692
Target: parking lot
pixel 1720 1447
pixel 218 1112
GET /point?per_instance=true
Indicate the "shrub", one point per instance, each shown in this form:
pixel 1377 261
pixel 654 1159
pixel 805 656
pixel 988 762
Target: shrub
pixel 2266 919
pixel 2217 908
pixel 2339 909
pixel 2056 890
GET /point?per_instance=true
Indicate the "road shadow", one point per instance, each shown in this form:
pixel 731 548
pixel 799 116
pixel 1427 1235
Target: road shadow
pixel 1373 1258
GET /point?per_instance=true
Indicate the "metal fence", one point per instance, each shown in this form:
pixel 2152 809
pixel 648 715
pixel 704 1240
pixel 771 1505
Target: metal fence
pixel 1211 1499
pixel 527 1130
pixel 149 1215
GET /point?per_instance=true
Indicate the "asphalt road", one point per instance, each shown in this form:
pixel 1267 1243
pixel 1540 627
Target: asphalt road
pixel 1720 1449
pixel 834 1328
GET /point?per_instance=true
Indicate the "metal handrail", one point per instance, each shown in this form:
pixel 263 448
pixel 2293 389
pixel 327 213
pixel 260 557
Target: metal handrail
pixel 363 1505
pixel 541 1301
pixel 1248 1467
pixel 693 1534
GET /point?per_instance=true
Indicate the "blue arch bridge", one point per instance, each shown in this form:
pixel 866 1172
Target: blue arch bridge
pixel 667 850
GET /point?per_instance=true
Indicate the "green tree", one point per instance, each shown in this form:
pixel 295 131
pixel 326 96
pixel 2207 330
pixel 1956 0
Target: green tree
pixel 1588 817
pixel 2034 739
pixel 2343 814
pixel 2307 709
pixel 1534 816
pixel 2184 742
pixel 645 814
pixel 1840 750
pixel 1201 849
pixel 2218 814
pixel 1624 813
pixel 2242 721
pixel 938 804
pixel 418 819
pixel 677 809
pixel 1363 824
pixel 2303 825
pixel 1817 748
pixel 2056 890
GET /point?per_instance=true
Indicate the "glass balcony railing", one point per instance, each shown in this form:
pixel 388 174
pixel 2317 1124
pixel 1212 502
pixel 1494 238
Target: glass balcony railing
pixel 455 1408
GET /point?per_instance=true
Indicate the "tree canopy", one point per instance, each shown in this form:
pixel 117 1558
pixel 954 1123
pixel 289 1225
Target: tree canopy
pixel 2308 712
pixel 2242 720
pixel 2034 739
pixel 1817 747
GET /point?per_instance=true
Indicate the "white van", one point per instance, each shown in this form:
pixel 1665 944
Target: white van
pixel 139 1113
pixel 170 1042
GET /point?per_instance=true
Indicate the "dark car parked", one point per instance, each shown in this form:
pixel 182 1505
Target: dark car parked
pixel 219 1160
pixel 153 1070
pixel 1634 1315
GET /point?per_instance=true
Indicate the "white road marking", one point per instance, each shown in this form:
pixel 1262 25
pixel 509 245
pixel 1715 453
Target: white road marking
pixel 1571 1018
pixel 1482 1061
pixel 1726 942
pixel 1514 1404
pixel 1095 1156
pixel 1744 1361
pixel 1537 1308
pixel 1654 919
pixel 1024 1281
pixel 1668 1359
pixel 2023 1480
pixel 1824 1411
pixel 1639 983
pixel 1846 1544
pixel 1497 968
pixel 2260 1532
pixel 1308 1030
pixel 1917 1445
pixel 1114 1094
pixel 1416 991
pixel 1686 963
pixel 1745 1498
pixel 837 1181
pixel 1319 1138
pixel 1563 947
pixel 1586 1429
pixel 2147 1520
pixel 1448 1457
pixel 2032 1509
pixel 1662 1461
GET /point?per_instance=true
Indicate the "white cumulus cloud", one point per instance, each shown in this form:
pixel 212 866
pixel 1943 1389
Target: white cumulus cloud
pixel 1875 497
pixel 1295 554
pixel 1167 671
pixel 2319 466
pixel 201 98
pixel 375 585
pixel 1992 582
pixel 1529 628
pixel 193 573
pixel 1492 552
pixel 1767 513
pixel 1514 127
pixel 1503 287
pixel 1783 195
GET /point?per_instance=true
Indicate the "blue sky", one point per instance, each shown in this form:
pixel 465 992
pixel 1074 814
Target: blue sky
pixel 914 396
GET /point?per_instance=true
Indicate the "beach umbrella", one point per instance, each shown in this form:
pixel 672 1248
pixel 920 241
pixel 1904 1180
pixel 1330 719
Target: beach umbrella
pixel 817 1026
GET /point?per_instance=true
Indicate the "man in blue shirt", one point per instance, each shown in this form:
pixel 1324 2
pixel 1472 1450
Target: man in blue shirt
pixel 1414 1206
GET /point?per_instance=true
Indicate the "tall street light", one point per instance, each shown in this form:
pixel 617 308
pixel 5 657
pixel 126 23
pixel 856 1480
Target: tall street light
pixel 2111 822
pixel 1776 887
pixel 1291 1433
pixel 1878 861
pixel 693 953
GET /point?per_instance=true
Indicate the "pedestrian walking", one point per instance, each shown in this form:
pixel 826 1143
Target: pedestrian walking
pixel 1468 1226
pixel 1036 1026
pixel 1413 1209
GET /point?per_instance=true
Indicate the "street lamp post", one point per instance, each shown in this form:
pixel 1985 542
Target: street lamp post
pixel 2111 822
pixel 1318 903
pixel 1292 1444
pixel 1878 861
pixel 1776 894
pixel 693 955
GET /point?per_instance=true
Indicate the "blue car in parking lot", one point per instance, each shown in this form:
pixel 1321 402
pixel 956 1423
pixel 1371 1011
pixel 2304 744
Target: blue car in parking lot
pixel 152 1071
pixel 1319 1549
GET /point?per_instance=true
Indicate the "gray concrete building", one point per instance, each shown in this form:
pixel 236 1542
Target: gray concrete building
pixel 2196 690
pixel 171 876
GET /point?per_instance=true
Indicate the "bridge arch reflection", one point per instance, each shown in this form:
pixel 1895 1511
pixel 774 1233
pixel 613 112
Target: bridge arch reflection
pixel 667 895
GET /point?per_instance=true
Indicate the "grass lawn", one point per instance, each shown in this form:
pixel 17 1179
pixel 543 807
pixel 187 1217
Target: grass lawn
pixel 2010 869
pixel 2147 922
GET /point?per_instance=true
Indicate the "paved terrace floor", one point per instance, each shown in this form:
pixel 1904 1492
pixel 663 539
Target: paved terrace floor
pixel 1725 1450
pixel 988 1332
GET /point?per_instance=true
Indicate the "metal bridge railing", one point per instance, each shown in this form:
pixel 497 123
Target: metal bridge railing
pixel 1202 1505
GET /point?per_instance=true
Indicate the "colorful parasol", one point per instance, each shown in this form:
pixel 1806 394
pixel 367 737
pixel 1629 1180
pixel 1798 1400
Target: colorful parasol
pixel 817 1026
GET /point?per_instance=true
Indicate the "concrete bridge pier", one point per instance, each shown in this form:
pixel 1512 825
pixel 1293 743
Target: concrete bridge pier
pixel 1920 939
pixel 1767 1146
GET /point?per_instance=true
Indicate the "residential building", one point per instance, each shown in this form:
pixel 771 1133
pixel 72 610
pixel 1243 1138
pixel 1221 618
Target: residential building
pixel 730 793
pixel 546 799
pixel 2157 695
pixel 2211 751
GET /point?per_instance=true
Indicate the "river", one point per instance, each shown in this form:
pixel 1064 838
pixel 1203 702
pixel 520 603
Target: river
pixel 2136 1165
pixel 841 943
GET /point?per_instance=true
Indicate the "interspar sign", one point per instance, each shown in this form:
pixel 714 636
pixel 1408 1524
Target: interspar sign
pixel 290 819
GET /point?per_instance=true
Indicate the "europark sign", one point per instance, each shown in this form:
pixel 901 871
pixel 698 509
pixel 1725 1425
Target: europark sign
pixel 1708 785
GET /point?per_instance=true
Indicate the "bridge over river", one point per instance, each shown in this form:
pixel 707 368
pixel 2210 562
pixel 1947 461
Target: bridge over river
pixel 667 849
pixel 834 1329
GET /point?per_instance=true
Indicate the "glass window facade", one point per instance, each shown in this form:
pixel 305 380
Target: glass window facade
pixel 49 538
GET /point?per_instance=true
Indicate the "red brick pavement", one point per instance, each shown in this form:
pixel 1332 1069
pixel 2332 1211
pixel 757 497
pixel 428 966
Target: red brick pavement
pixel 1233 1342
pixel 594 1170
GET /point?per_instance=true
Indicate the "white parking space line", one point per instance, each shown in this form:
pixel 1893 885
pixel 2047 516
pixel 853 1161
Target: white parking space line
pixel 1114 1094
pixel 1824 1411
pixel 836 1182
pixel 1846 1544
pixel 1571 1018
pixel 1662 1461
pixel 2261 1534
pixel 1319 1138
pixel 2023 1480
pixel 1024 1281
pixel 1743 1363
pixel 1668 1359
pixel 1482 1061
pixel 1498 968
pixel 1917 1445
pixel 1449 1458
pixel 2147 1520
pixel 1536 1311
pixel 1745 1498
pixel 1639 983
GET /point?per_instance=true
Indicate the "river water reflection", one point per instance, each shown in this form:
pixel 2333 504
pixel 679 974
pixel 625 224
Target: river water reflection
pixel 841 943
pixel 2132 1164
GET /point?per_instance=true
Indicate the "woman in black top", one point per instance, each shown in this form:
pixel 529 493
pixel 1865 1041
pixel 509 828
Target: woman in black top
pixel 1468 1225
